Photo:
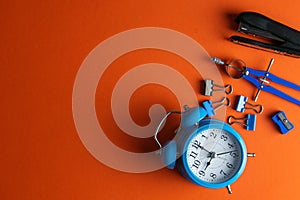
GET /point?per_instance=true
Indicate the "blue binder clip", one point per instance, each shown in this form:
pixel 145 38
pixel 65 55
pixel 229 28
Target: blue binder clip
pixel 211 111
pixel 262 80
pixel 209 88
pixel 249 121
pixel 284 124
pixel 242 102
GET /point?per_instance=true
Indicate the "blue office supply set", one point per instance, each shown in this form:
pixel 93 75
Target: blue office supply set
pixel 209 152
pixel 259 79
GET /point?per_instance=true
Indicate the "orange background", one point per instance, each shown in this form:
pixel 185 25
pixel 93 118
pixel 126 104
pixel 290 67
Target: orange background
pixel 43 44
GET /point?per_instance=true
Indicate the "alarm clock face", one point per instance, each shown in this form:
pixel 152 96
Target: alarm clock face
pixel 215 157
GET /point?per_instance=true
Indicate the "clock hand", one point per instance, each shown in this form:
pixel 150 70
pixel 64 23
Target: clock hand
pixel 211 156
pixel 208 163
pixel 201 147
pixel 222 158
pixel 218 154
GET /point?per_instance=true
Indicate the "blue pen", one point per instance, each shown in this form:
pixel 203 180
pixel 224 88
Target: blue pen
pixel 259 78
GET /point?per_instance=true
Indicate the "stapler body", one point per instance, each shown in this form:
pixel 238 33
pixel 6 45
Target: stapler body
pixel 274 36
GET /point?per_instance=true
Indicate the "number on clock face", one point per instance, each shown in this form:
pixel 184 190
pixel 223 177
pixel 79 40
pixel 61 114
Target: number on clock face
pixel 214 155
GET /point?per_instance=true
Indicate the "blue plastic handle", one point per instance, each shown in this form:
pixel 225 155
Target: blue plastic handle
pixel 277 92
pixel 273 78
pixel 270 89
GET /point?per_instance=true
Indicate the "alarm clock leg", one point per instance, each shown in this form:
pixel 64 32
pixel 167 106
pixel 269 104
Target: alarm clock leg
pixel 229 189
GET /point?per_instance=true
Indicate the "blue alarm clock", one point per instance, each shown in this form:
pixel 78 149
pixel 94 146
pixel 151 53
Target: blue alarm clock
pixel 211 153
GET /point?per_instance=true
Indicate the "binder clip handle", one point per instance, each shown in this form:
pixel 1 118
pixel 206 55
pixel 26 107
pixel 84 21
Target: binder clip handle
pixel 208 105
pixel 243 101
pixel 209 88
pixel 223 102
pixel 258 108
pixel 249 121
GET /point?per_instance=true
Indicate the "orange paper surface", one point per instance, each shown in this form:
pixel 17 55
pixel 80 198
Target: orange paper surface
pixel 43 45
